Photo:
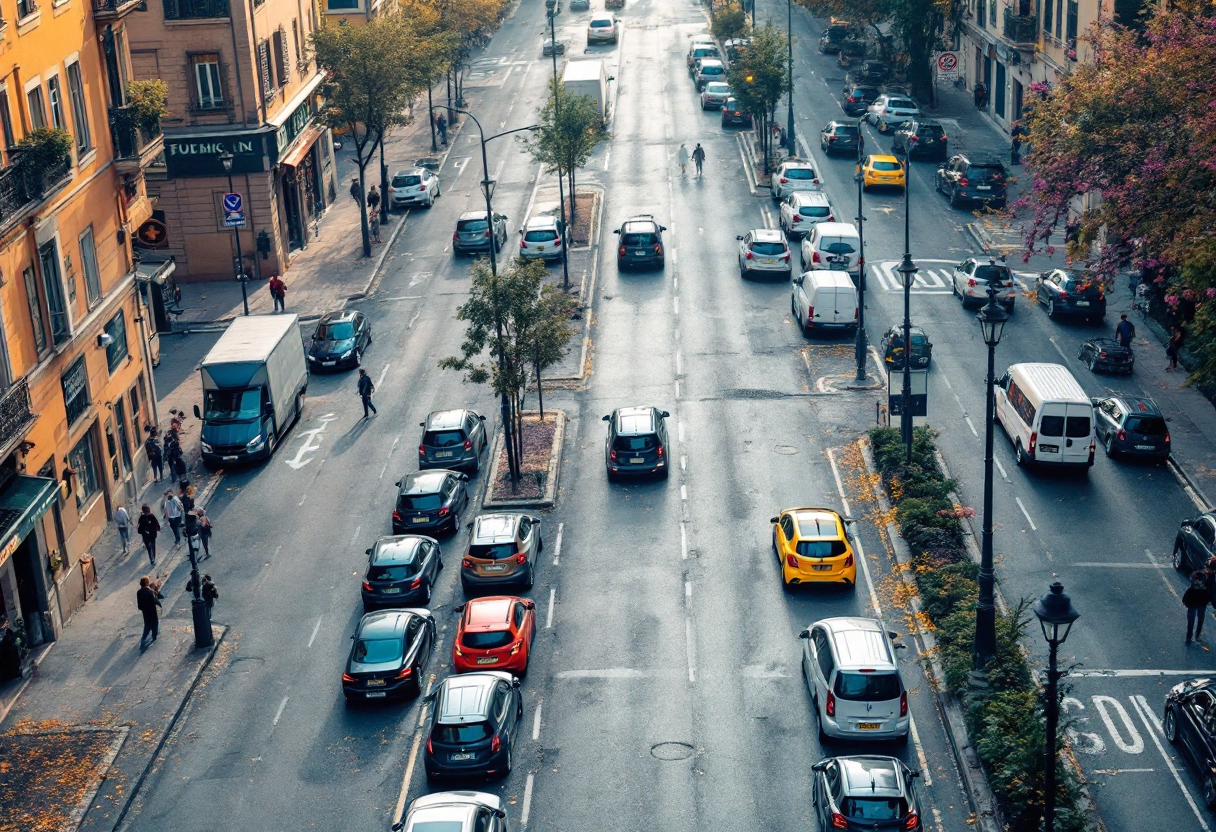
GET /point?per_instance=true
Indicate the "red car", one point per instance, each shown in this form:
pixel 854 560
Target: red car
pixel 495 633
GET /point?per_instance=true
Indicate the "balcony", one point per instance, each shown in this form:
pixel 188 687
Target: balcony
pixel 23 186
pixel 107 11
pixel 136 144
pixel 1022 30
pixel 17 416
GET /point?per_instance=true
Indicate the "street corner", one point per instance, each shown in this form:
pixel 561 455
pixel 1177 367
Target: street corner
pixel 49 774
pixel 540 464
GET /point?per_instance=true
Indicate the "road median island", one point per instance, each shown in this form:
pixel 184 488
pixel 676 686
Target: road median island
pixel 540 464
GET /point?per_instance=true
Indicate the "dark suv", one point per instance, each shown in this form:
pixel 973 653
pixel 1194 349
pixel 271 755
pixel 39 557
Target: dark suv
pixel 641 243
pixel 452 439
pixel 840 136
pixel 637 442
pixel 972 177
pixel 1131 426
pixel 473 725
pixel 930 140
pixel 1076 294
pixel 856 98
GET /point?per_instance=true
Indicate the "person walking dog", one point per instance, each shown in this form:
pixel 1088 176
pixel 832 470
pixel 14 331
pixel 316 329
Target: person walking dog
pixel 366 389
pixel 148 528
pixel 149 604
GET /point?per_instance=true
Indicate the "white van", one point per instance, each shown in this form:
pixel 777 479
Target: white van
pixel 1046 414
pixel 832 245
pixel 850 669
pixel 824 302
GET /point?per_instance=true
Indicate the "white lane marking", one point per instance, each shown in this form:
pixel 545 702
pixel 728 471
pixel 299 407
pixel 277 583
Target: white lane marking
pixel 1033 527
pixel 605 673
pixel 967 419
pixel 683 542
pixel 536 720
pixel 683 492
pixel 1186 793
pixel 675 302
pixel 920 753
pixel 315 630
pixel 557 544
pixel 1000 468
pixel 354 538
pixel 279 712
pixel 399 808
pixel 552 604
pixel 383 373
pixel 389 458
pixel 680 430
pixel 527 807
pixel 1130 673
pixel 861 554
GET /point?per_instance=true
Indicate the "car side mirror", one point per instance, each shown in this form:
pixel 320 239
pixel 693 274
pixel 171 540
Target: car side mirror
pixel 805 634
pixel 197 414
pixel 774 520
pixel 529 605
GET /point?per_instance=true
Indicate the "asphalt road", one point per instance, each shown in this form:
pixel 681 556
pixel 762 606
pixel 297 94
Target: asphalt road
pixel 665 689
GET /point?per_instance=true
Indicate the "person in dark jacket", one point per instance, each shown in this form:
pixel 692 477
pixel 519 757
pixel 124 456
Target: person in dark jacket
pixel 148 603
pixel 1195 599
pixel 155 459
pixel 148 528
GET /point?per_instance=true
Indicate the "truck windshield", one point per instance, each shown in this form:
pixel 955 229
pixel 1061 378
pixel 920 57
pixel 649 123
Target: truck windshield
pixel 231 405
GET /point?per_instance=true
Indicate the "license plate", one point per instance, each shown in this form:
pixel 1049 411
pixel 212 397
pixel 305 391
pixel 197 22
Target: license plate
pixel 983 187
pixel 443 454
pixel 821 567
pixel 637 460
pixel 496 568
pixel 458 757
pixel 1144 447
pixel 1082 303
pixel 419 519
pixel 375 683
pixel 391 590
pixel 489 660
pixel 1050 449
pixel 868 726
pixel 375 694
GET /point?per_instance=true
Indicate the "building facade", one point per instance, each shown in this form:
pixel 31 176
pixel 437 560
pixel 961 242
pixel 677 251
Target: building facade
pixel 242 90
pixel 75 354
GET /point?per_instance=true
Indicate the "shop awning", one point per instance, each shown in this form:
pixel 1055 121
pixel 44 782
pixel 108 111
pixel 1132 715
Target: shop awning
pixel 22 503
pixel 303 144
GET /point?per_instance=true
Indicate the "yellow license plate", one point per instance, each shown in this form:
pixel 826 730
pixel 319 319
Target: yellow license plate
pixel 868 726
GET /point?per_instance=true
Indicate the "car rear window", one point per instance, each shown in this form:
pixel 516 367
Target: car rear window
pixel 799 173
pixel 992 273
pixel 472 225
pixel 543 236
pixel 378 650
pixel 874 808
pixel 636 443
pixel 887 166
pixel 1077 427
pixel 768 249
pixel 420 502
pixel 820 548
pixel 868 687
pixel 637 240
pixel 486 641
pixel 406 181
pixel 461 734
pixel 392 572
pixel 442 438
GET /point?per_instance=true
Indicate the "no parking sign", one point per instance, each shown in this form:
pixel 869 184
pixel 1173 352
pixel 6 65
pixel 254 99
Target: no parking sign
pixel 947 65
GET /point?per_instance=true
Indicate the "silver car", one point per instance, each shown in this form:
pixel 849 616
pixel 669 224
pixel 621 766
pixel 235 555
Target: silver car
pixel 972 278
pixel 889 111
pixel 463 811
pixel 763 250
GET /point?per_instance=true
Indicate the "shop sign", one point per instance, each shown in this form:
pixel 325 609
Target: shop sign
pixel 200 155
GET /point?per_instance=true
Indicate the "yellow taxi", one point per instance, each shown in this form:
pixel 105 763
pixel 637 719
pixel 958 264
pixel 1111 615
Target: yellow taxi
pixel 814 545
pixel 882 171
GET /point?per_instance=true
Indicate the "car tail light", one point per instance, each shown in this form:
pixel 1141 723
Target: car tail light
pixel 791 561
pixel 962 181
pixel 1034 440
pixel 396 516
pixel 468 444
pixel 783 181
pixel 621 252
pixel 495 744
pixel 465 563
pixel 346 677
pixel 971 283
pixel 831 704
pixel 797 218
pixel 912 821
pixel 443 512
pixel 430 748
pixel 815 257
pixel 521 558
pixel 903 704
pixel 416 583
pixel 405 673
pixel 848 561
pixel 839 821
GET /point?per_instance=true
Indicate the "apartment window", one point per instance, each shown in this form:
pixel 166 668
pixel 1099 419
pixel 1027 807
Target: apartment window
pixel 207 81
pixel 37 108
pixel 195 9
pixel 76 390
pixel 52 284
pixel 82 461
pixel 6 118
pixel 88 262
pixel 25 8
pixel 117 350
pixel 55 94
pixel 80 109
pixel 268 87
pixel 37 322
pixel 282 58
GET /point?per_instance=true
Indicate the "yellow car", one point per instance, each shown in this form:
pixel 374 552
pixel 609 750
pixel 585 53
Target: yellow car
pixel 814 545
pixel 882 170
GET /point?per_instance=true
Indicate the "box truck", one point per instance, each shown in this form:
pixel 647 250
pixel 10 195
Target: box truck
pixel 254 380
pixel 589 78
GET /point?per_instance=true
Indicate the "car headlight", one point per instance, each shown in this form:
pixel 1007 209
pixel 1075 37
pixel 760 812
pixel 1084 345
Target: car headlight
pixel 255 443
pixel 206 448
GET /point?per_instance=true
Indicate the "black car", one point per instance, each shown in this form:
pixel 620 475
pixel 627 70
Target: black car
pixel 452 439
pixel 637 442
pixel 892 346
pixel 1107 355
pixel 972 177
pixel 841 137
pixel 640 244
pixel 1195 543
pixel 733 113
pixel 390 654
pixel 401 570
pixel 339 340
pixel 856 98
pixel 833 37
pixel 430 500
pixel 1071 293
pixel 930 140
pixel 865 793
pixel 1190 721
pixel 474 723
pixel 1131 426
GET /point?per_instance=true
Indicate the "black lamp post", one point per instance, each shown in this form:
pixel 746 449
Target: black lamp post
pixel 198 607
pixel 551 10
pixel 860 345
pixel 992 320
pixel 226 159
pixel 1056 615
pixel 790 144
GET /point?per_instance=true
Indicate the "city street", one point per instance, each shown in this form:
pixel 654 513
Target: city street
pixel 665 690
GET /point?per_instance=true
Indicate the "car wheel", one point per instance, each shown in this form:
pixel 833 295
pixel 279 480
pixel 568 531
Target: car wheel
pixel 1051 307
pixel 1179 557
pixel 1021 456
pixel 1169 725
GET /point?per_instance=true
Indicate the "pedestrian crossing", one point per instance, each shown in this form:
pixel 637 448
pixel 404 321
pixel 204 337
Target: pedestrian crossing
pixel 933 277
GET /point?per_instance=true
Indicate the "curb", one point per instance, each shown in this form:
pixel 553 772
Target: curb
pixel 549 498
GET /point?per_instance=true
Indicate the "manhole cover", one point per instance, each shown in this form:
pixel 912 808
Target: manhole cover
pixel 672 751
pixel 788 450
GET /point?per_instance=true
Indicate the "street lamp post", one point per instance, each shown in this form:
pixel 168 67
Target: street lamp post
pixel 198 607
pixel 790 144
pixel 992 320
pixel 1056 615
pixel 860 345
pixel 551 10
pixel 226 159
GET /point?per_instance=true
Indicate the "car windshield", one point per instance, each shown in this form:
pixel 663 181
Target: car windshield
pixel 442 438
pixel 820 548
pixel 799 173
pixel 231 405
pixel 837 246
pixel 768 249
pixel 874 808
pixel 492 551
pixel 868 687
pixel 545 235
pixel 637 239
pixel 990 274
pixel 1150 425
pixel 486 641
pixel 420 502
pixel 391 571
pixel 635 443
pixel 378 650
pixel 336 332
pixel 462 734
pixel 472 225
pixel 887 166
pixel 406 181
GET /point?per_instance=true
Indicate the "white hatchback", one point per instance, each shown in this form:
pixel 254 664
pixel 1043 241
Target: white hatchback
pixel 802 210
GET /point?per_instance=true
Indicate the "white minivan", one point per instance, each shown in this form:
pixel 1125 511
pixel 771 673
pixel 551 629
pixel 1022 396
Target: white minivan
pixel 1047 416
pixel 832 245
pixel 823 302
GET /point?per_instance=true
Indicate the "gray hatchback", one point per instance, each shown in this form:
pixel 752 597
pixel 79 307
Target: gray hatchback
pixel 452 439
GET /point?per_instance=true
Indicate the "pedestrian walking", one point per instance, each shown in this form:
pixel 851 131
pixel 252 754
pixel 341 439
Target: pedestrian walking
pixel 366 389
pixel 173 511
pixel 356 191
pixel 683 154
pixel 373 224
pixel 148 527
pixel 1125 331
pixel 1195 599
pixel 149 604
pixel 278 289
pixel 981 95
pixel 122 522
pixel 442 123
pixel 1173 346
pixel 204 530
pixel 698 157
pixel 155 458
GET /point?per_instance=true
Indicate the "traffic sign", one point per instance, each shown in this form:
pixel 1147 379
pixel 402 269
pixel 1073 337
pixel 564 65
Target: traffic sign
pixel 947 66
pixel 234 211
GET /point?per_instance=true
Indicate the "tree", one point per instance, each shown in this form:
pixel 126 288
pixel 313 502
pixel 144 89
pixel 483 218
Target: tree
pixel 758 78
pixel 568 130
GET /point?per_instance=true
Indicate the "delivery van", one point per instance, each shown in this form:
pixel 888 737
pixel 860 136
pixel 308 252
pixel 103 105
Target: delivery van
pixel 1047 416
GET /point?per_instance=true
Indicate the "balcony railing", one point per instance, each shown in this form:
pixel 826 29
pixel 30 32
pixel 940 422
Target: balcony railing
pixel 108 10
pixel 1021 28
pixel 131 135
pixel 16 416
pixel 23 184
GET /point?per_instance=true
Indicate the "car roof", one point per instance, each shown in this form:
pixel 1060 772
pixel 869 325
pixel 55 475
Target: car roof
pixel 397 549
pixel 768 235
pixel 465 698
pixel 635 420
pixel 871 776
pixel 341 316
pixel 489 613
pixel 425 482
pixel 385 623
pixel 495 528
pixel 445 419
pixel 821 523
